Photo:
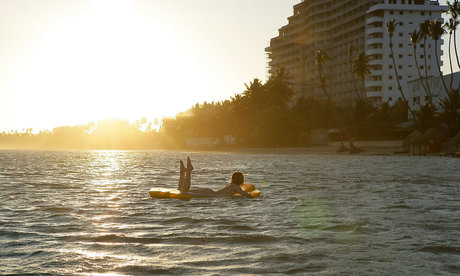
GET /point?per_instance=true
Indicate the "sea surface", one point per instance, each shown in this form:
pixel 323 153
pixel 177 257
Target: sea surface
pixel 89 213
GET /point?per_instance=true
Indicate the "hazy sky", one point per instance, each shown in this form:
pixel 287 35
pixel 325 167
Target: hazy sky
pixel 65 62
pixel 74 61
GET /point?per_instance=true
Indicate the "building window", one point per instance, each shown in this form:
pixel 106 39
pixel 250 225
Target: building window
pixel 400 56
pixel 390 99
pixel 400 67
pixel 390 87
pixel 390 66
pixel 400 34
pixel 390 77
pixel 400 45
pixel 421 66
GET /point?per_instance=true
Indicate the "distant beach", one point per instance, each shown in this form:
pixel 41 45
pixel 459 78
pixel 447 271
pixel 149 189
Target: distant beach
pixel 367 147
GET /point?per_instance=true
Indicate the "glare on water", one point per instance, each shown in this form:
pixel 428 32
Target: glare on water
pixel 89 213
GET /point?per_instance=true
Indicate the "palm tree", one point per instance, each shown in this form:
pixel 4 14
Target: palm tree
pixel 454 10
pixel 351 51
pixel 361 68
pixel 279 89
pixel 424 32
pixel 451 25
pixel 391 26
pixel 436 32
pixel 322 57
pixel 451 114
pixel 254 92
pixel 415 38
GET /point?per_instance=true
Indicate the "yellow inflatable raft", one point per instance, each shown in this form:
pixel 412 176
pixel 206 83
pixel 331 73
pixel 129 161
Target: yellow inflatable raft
pixel 174 193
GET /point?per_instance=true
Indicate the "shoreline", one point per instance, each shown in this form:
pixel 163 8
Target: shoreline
pixel 367 147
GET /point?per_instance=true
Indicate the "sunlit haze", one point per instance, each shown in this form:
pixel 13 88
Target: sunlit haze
pixel 71 62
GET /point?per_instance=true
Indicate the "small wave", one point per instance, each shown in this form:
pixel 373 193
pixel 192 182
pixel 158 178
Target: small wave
pixel 58 209
pixel 237 228
pixel 340 228
pixel 112 238
pixel 253 239
pixel 399 206
pixel 441 249
pixel 314 268
pixel 182 220
pixel 148 270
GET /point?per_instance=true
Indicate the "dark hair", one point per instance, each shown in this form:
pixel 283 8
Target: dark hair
pixel 237 178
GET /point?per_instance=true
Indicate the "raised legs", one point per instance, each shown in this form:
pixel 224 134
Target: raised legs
pixel 185 180
pixel 180 187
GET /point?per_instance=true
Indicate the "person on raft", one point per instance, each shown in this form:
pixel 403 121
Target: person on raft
pixel 229 190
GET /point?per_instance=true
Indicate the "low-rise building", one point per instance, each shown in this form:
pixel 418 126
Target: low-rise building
pixel 417 95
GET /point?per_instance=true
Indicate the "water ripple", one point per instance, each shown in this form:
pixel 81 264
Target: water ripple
pixel 88 212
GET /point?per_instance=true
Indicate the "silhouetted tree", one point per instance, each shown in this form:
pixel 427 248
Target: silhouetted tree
pixel 361 69
pixel 391 26
pixel 436 31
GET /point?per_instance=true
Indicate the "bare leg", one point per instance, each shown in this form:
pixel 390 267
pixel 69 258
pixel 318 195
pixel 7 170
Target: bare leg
pixel 188 176
pixel 181 185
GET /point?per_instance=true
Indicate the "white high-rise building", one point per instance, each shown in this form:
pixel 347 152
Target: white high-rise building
pixel 337 25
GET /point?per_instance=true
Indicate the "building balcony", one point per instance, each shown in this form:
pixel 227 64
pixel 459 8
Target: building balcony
pixel 373 84
pixel 376 71
pixel 373 41
pixel 374 19
pixel 374 30
pixel 374 94
pixel 376 62
pixel 377 51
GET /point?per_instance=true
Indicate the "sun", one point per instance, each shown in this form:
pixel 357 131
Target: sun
pixel 109 61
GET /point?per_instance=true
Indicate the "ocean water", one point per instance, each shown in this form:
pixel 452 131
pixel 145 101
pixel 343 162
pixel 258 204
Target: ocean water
pixel 89 213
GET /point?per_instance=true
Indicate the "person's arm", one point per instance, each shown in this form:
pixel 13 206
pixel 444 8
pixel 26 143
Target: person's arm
pixel 240 191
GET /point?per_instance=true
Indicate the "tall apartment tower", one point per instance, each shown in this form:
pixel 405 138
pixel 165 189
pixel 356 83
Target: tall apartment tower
pixel 337 25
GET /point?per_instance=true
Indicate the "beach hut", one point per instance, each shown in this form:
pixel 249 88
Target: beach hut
pixel 414 143
pixel 432 138
pixel 454 142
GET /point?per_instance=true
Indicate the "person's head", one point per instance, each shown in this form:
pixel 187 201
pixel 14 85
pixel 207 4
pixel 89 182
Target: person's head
pixel 237 178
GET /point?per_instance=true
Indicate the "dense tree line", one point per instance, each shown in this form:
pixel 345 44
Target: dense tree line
pixel 107 134
pixel 269 114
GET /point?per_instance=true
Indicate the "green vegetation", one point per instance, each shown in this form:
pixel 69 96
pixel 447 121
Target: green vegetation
pixel 109 134
pixel 270 115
